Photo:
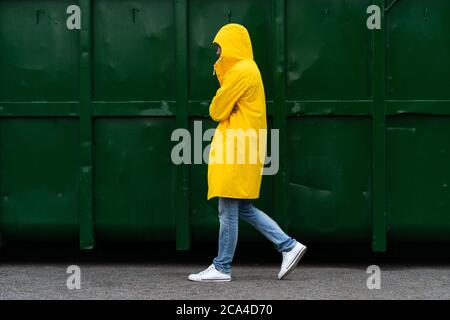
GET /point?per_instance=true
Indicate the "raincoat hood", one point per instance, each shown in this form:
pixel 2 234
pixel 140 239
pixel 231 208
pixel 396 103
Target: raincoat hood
pixel 234 41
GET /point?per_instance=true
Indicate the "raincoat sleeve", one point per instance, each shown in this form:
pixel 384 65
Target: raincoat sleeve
pixel 234 85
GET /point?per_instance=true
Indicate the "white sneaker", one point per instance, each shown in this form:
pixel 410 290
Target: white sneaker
pixel 211 274
pixel 290 260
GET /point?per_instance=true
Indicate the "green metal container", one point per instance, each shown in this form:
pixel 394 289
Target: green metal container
pixel 86 118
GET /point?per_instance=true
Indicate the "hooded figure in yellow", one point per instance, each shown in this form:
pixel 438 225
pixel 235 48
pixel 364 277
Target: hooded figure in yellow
pixel 237 155
pixel 239 144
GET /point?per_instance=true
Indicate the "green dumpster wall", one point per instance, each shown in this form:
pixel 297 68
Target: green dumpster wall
pixel 86 118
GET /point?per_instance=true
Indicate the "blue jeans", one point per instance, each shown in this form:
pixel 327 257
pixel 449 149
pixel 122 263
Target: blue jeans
pixel 229 212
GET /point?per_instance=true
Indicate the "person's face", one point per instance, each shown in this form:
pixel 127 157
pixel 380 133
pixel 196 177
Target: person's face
pixel 219 51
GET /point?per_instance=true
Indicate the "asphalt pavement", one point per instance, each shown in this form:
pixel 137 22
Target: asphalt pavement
pixel 47 280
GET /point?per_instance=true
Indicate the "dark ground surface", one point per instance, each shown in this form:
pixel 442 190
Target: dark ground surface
pixel 159 272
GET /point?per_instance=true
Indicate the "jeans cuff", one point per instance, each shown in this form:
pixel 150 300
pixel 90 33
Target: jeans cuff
pixel 218 268
pixel 288 245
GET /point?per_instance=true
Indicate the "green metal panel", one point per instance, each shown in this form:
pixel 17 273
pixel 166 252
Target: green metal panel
pixel 38 56
pixel 204 214
pixel 133 50
pixel 335 65
pixel 134 180
pixel 39 179
pixel 328 50
pixel 329 185
pixel 418 50
pixel 139 69
pixel 418 188
pixel 417 81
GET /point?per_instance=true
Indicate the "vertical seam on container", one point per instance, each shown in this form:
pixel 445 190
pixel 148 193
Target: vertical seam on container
pixel 281 179
pixel 86 221
pixel 182 208
pixel 379 135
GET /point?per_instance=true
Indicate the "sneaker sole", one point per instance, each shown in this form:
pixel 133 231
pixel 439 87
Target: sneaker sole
pixel 215 280
pixel 294 263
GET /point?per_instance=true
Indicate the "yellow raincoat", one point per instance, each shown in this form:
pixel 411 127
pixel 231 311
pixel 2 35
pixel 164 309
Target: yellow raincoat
pixel 233 171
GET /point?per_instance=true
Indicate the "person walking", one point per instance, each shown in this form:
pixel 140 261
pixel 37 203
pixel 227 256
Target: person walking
pixel 239 105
